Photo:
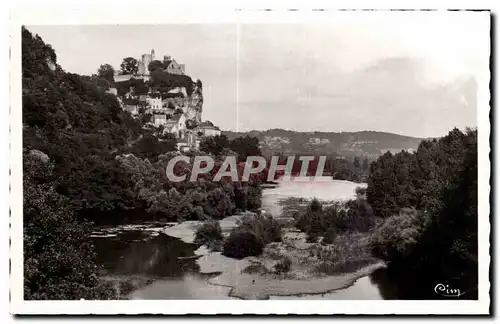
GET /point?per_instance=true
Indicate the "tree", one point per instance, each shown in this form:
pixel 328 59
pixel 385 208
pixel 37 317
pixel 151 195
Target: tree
pixel 129 66
pixel 245 146
pixel 150 147
pixel 214 144
pixel 57 253
pixel 357 163
pixel 240 244
pixel 191 124
pixel 165 81
pixel 155 66
pixel 107 72
pixel 366 165
pixel 139 86
pixel 439 181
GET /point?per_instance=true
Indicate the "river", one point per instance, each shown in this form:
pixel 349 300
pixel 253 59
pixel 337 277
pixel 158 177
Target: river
pixel 147 256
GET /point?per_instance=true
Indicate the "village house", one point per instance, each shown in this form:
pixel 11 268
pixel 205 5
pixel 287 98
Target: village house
pixel 132 109
pixel 174 68
pixel 154 103
pixel 208 129
pixel 112 91
pixel 159 120
pixel 176 125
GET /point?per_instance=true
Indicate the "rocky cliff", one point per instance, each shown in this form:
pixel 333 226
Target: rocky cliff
pixel 194 105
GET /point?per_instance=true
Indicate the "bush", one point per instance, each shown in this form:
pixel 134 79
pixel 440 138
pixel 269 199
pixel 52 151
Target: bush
pixel 310 220
pixel 359 216
pixel 347 253
pixel 264 227
pixel 360 192
pixel 209 233
pixel 312 238
pixel 397 235
pixel 241 244
pixel 355 215
pixel 283 266
pixel 329 236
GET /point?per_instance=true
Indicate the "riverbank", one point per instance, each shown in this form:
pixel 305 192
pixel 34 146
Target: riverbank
pixel 259 277
pixel 159 260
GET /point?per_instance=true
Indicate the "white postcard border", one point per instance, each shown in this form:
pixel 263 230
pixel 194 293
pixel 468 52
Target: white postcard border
pixel 34 15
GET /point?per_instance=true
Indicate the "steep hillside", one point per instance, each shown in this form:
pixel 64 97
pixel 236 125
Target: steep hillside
pixel 81 128
pixel 365 143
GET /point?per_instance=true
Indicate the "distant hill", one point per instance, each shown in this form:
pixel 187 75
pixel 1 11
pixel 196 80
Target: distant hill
pixel 364 143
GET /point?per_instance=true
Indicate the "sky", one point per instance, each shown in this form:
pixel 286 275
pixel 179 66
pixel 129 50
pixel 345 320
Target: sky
pixel 413 76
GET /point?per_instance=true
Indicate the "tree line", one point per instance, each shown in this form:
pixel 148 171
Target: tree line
pixel 428 200
pixel 418 213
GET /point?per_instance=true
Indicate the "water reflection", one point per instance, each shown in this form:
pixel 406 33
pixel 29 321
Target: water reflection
pixel 135 252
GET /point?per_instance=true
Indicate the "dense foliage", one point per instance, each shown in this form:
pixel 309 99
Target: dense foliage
pixel 438 237
pixel 251 235
pixel 107 72
pixel 164 82
pixel 245 146
pixel 355 169
pixel 209 234
pixel 214 144
pixel 58 258
pixel 103 165
pixel 241 244
pixel 138 86
pixel 129 65
pixel 336 218
pixel 156 65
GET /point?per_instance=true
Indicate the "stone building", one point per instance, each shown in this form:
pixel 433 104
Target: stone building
pixel 145 60
pixel 175 68
pixel 154 103
pixel 208 129
pixel 177 126
pixel 159 120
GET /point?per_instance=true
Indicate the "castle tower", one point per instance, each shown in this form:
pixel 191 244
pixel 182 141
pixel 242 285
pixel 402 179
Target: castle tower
pixel 152 55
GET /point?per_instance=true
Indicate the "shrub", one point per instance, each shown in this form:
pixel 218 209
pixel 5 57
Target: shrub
pixel 316 220
pixel 255 268
pixel 397 235
pixel 209 233
pixel 311 238
pixel 359 216
pixel 283 266
pixel 347 253
pixel 310 221
pixel 241 244
pixel 329 236
pixel 265 227
pixel 360 192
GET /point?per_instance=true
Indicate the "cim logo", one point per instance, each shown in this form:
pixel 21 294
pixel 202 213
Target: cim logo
pixel 446 291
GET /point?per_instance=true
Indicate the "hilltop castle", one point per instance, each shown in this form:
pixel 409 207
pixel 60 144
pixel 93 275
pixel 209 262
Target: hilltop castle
pixel 175 110
pixel 169 64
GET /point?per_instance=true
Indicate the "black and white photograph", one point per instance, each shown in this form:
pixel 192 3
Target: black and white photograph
pixel 189 163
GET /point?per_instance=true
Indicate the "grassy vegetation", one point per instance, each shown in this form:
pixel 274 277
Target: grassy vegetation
pixel 251 235
pixel 348 252
pixel 283 266
pixel 209 234
pixel 338 233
